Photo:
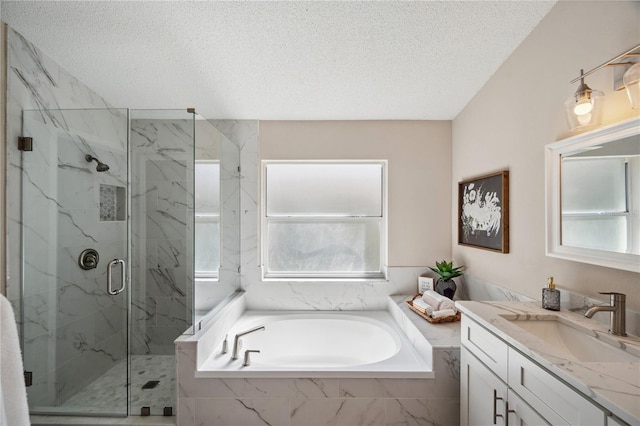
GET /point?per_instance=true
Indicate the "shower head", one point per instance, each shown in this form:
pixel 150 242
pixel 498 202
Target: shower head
pixel 101 167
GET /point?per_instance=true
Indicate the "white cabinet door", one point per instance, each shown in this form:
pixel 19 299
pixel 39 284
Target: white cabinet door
pixel 520 413
pixel 482 394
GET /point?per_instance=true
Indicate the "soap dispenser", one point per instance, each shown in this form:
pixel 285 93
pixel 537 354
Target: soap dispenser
pixel 551 296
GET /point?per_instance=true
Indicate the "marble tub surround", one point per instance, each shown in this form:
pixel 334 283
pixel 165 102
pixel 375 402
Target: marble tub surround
pixel 333 295
pixel 321 401
pixel 613 385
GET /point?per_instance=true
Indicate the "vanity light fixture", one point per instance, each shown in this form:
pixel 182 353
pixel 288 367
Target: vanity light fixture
pixel 631 80
pixel 584 108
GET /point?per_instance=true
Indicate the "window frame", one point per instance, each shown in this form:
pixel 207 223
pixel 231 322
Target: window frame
pixel 268 275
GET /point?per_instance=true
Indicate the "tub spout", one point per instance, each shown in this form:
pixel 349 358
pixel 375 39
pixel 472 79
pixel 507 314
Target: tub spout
pixel 236 340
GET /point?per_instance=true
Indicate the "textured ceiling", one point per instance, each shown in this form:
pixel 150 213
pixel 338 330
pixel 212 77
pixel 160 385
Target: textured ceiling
pixel 282 60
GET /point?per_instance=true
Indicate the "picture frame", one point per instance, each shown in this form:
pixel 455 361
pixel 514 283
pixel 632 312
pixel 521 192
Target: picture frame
pixel 483 212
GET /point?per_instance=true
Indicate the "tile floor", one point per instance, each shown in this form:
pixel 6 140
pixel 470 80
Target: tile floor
pixel 109 391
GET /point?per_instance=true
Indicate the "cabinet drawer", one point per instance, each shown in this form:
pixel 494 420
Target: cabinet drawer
pixel 489 349
pixel 555 401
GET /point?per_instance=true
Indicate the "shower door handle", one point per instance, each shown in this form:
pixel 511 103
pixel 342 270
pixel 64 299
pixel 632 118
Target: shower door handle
pixel 110 265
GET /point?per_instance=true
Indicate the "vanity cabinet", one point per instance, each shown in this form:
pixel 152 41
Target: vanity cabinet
pixel 487 400
pixel 501 386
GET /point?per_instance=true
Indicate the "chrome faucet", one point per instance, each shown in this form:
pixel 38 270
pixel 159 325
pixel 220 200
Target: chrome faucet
pixel 236 340
pixel 617 308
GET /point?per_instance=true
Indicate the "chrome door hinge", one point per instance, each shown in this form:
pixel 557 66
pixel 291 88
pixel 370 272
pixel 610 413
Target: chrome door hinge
pixel 25 143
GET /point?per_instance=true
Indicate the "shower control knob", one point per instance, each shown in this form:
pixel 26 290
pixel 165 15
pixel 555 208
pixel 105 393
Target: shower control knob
pixel 88 259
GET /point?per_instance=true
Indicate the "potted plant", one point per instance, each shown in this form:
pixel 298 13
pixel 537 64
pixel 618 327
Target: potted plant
pixel 446 272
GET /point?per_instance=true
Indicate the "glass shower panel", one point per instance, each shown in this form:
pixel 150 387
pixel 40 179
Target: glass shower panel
pixel 162 229
pixel 74 214
pixel 217 219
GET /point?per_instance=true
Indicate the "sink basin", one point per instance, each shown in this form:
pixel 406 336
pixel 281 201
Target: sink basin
pixel 574 344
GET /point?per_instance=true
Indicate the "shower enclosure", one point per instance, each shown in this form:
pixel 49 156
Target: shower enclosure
pixel 108 257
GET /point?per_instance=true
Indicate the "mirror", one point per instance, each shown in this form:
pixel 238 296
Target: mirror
pixel 593 197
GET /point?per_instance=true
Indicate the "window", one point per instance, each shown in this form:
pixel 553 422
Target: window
pixel 595 203
pixel 207 219
pixel 324 219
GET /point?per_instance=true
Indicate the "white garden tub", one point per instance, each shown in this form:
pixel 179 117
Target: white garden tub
pixel 316 344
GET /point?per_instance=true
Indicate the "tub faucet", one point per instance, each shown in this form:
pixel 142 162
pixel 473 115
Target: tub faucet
pixel 247 360
pixel 617 308
pixel 236 340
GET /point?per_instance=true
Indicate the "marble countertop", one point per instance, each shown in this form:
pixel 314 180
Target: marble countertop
pixel 613 385
pixel 445 335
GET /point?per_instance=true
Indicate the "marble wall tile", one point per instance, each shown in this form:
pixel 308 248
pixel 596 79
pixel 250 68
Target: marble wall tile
pixel 475 288
pixel 335 411
pixel 162 203
pixel 422 412
pixel 185 411
pixel 246 412
pixel 34 81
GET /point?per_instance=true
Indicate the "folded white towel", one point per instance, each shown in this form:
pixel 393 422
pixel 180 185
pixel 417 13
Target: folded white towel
pixel 443 313
pixel 438 301
pixel 14 410
pixel 430 300
pixel 422 306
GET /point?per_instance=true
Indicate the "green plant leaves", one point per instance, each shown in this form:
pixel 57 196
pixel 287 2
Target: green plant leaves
pixel 446 271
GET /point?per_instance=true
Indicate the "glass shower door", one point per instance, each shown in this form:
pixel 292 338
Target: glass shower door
pixel 75 240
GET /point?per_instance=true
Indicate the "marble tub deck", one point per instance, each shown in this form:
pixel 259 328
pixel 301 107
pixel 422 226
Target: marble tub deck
pixel 329 401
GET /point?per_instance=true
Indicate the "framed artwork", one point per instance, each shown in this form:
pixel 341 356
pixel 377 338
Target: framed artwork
pixel 483 212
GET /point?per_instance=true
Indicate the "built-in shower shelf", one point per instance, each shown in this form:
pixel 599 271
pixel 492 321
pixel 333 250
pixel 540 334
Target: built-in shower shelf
pixel 112 203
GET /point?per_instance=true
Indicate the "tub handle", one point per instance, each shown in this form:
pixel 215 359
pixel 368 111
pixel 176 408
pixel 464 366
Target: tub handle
pixel 225 347
pixel 247 360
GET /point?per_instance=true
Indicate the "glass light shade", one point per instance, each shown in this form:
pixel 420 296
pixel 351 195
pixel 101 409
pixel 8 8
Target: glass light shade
pixel 584 110
pixel 631 80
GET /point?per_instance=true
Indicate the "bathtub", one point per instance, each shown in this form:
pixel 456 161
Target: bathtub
pixel 317 344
